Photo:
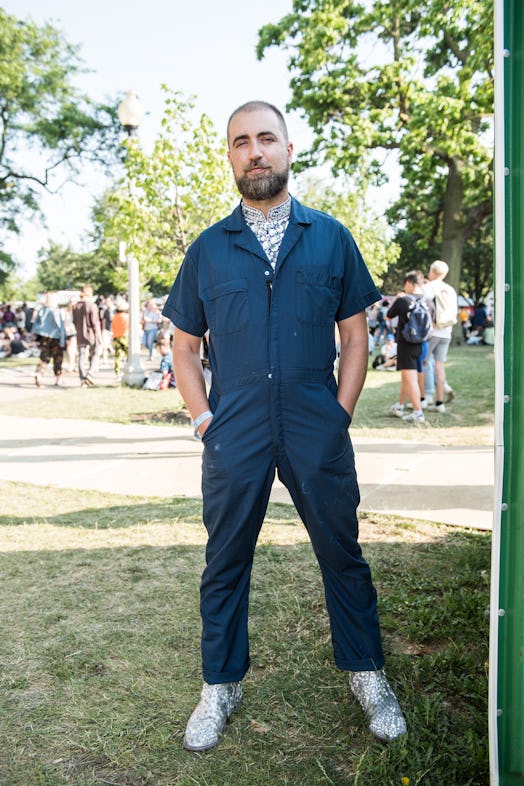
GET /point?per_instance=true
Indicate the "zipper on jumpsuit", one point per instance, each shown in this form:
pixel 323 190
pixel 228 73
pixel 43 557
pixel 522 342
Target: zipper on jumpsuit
pixel 274 393
pixel 269 285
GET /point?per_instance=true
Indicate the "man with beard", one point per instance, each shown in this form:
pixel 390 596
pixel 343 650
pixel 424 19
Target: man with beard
pixel 269 282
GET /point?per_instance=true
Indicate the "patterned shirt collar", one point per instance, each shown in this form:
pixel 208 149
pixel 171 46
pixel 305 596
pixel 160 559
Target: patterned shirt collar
pixel 279 213
pixel 269 231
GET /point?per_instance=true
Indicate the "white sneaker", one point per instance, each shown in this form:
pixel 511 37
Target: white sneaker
pixel 423 404
pixel 437 408
pixel 414 417
pixel 397 411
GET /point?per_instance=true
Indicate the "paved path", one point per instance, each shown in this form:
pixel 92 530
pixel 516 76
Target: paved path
pixel 452 485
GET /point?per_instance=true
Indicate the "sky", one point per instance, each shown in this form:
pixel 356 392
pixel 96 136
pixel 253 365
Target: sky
pixel 204 48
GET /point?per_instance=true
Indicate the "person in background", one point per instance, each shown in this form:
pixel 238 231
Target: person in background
pixel 480 316
pixel 269 282
pixel 488 336
pixel 9 319
pixel 151 318
pixel 4 344
pixel 408 355
pixel 20 344
pixel 88 335
pixel 70 330
pixel 382 329
pixel 120 335
pixel 106 312
pixel 387 359
pixel 28 311
pixel 20 319
pixel 440 340
pixel 49 332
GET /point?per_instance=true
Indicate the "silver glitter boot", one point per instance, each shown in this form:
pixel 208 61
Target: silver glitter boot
pixel 380 704
pixel 209 718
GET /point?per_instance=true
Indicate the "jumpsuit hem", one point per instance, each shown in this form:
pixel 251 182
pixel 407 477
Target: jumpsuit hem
pixel 216 678
pixel 366 664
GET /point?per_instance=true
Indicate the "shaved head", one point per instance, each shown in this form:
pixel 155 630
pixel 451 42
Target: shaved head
pixel 255 106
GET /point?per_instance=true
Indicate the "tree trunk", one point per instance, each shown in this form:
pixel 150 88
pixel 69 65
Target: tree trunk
pixel 453 228
pixel 453 231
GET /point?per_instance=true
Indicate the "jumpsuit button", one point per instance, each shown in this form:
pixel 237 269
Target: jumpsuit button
pixel 266 272
pixel 270 376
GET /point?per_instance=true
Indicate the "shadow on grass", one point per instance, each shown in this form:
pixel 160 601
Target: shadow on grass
pixel 101 669
pixel 123 516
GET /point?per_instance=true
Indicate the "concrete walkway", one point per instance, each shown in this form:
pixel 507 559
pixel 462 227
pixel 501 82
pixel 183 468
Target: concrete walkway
pixel 452 485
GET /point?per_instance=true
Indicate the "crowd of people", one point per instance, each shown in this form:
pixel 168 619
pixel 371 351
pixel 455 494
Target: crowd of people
pixel 421 363
pixel 81 334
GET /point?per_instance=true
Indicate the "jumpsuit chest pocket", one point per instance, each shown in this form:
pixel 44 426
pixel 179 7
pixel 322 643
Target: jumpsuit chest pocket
pixel 227 306
pixel 317 297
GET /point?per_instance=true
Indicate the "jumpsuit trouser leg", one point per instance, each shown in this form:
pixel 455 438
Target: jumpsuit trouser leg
pixel 317 466
pixel 237 475
pixel 351 598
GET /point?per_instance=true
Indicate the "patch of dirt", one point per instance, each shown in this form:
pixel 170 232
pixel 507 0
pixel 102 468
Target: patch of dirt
pixel 407 647
pixel 181 418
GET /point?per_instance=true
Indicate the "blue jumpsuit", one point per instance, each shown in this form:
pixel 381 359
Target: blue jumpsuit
pixel 273 395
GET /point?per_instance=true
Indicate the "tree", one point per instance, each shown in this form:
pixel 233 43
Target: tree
pixel 167 197
pixel 47 127
pixel 14 288
pixel 477 268
pixel 410 76
pixel 346 203
pixel 7 266
pixel 62 268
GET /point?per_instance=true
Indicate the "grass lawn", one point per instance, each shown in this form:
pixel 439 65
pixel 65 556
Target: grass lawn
pixel 468 420
pixel 100 662
pixel 99 651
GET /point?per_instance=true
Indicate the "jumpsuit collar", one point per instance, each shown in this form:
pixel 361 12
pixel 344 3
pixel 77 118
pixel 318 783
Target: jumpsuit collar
pixel 244 238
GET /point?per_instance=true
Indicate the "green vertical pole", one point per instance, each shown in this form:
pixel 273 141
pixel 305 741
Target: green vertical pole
pixel 507 618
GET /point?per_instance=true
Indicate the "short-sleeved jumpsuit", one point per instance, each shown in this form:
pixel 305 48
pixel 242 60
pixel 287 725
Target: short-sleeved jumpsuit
pixel 273 395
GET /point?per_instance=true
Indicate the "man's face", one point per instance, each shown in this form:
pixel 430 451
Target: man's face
pixel 260 154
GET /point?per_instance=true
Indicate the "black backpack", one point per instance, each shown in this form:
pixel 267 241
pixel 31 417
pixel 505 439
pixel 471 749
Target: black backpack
pixel 418 326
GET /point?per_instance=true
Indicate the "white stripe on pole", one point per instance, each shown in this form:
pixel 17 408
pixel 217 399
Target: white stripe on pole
pixel 500 288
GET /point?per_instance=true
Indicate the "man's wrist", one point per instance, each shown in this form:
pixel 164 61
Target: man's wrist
pixel 197 422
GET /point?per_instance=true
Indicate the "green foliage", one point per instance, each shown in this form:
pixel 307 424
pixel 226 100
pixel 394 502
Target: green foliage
pixel 346 202
pixel 477 268
pixel 63 268
pixel 47 127
pixel 414 77
pixel 168 196
pixel 14 288
pixel 7 265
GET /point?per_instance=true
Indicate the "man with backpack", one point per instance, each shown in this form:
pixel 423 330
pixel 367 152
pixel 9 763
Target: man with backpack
pixel 415 318
pixel 446 308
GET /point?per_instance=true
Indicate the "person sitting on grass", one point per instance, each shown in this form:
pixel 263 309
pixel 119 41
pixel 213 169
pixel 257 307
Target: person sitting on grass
pixel 387 359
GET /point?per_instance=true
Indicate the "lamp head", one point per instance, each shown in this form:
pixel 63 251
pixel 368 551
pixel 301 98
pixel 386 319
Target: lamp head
pixel 131 112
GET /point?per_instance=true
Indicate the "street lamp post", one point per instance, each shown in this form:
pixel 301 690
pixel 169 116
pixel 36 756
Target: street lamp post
pixel 130 114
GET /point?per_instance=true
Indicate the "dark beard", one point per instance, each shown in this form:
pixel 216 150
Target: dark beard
pixel 263 186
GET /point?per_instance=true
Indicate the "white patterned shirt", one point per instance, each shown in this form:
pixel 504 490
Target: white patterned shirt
pixel 269 231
